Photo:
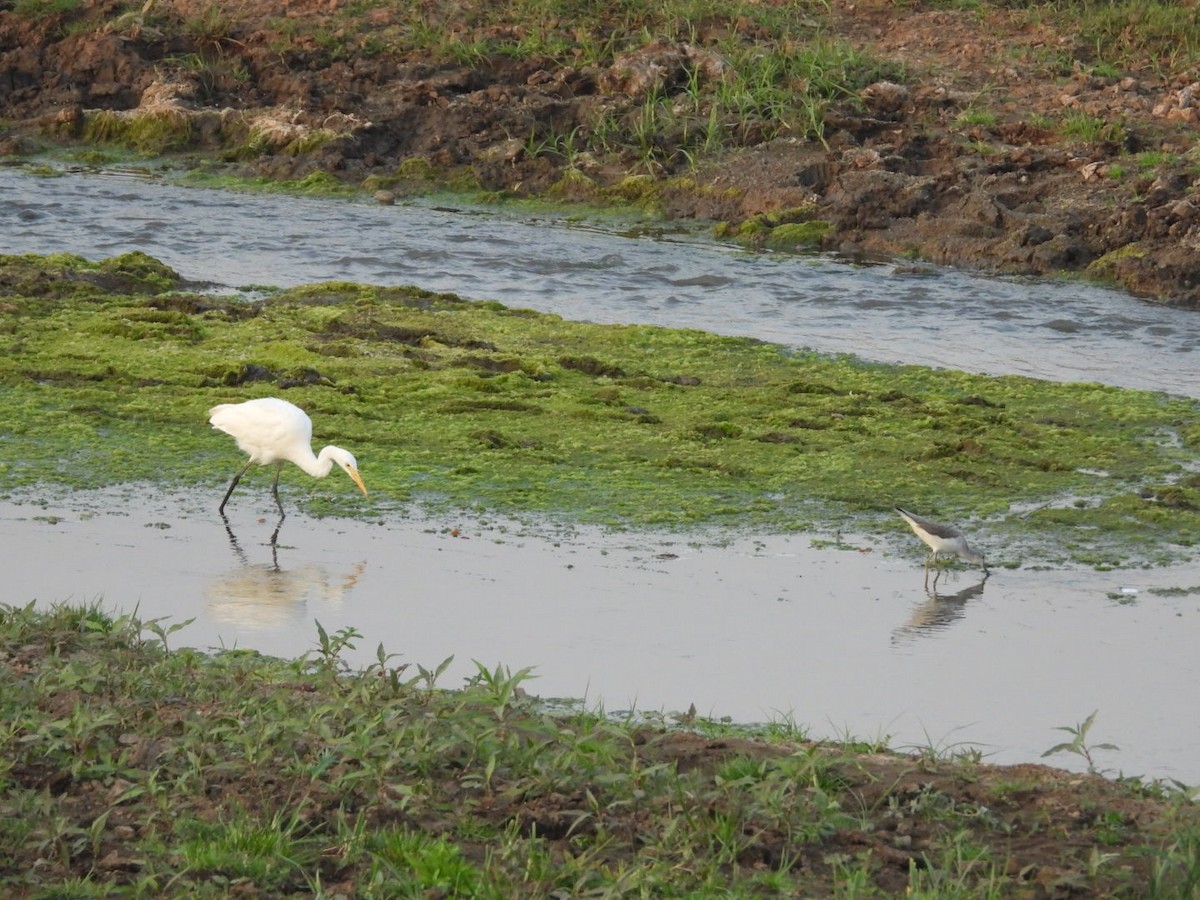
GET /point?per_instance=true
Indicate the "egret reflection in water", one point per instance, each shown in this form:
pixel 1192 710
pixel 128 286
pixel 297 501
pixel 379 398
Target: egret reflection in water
pixel 938 612
pixel 263 595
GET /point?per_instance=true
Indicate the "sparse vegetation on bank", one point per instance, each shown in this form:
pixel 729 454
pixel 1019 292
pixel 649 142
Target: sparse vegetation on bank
pixel 131 766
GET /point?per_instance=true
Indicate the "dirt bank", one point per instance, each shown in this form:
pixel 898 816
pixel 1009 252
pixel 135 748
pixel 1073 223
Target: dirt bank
pixel 992 139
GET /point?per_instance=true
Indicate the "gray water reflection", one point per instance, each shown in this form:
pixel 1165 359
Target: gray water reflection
pixel 257 595
pixel 939 611
pixel 842 639
pixel 1057 331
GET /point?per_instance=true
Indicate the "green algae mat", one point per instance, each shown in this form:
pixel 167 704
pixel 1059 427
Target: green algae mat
pixel 108 370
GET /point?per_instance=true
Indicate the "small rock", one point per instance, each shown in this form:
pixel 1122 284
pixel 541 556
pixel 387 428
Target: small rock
pixel 1035 235
pixel 1183 209
pixel 884 96
pixel 504 152
pixel 862 158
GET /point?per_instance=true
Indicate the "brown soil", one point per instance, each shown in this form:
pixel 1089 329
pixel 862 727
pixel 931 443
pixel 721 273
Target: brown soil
pixel 899 173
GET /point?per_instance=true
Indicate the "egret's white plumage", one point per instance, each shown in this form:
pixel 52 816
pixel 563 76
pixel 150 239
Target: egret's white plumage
pixel 274 431
pixel 941 539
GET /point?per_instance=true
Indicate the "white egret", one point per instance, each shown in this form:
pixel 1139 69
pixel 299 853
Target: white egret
pixel 276 431
pixel 941 539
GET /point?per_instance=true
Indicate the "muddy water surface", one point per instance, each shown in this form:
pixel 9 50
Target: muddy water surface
pixel 843 638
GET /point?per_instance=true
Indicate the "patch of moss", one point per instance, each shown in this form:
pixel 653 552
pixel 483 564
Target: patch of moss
pixel 63 275
pixel 805 235
pixel 576 185
pixel 1107 266
pixel 30 9
pixel 152 135
pixel 641 190
pixel 417 176
pixel 788 229
pixel 688 185
pixel 319 183
pixel 417 167
pixel 148 272
pixel 41 170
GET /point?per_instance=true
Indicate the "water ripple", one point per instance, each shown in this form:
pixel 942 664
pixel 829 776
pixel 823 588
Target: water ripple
pixel 1044 329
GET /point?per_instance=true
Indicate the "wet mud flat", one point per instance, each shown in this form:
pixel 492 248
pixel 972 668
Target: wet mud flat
pixel 837 634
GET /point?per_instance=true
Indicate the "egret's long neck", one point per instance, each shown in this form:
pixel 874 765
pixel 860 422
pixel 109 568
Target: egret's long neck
pixel 317 466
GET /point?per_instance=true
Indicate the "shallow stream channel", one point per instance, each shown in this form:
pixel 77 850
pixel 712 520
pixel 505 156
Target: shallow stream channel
pixel 839 634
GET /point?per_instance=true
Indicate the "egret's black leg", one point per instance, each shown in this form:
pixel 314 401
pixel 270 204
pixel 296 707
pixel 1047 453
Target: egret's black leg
pixel 233 541
pixel 275 543
pixel 275 490
pixel 232 485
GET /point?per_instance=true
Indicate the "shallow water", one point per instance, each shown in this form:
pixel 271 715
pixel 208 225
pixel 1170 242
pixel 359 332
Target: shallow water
pixel 844 640
pixel 1057 331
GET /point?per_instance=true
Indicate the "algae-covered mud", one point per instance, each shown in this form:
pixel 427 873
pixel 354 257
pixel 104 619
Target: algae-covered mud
pixel 109 369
